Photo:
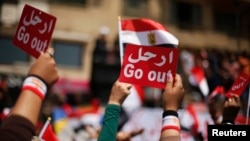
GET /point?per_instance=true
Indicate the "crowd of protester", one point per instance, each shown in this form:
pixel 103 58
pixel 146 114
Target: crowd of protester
pixel 88 120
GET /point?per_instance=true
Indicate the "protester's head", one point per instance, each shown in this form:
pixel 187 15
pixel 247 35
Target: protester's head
pixel 104 30
pixel 244 60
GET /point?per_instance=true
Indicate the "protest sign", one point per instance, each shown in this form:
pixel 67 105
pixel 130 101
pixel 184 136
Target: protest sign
pixel 148 66
pixel 239 85
pixel 34 31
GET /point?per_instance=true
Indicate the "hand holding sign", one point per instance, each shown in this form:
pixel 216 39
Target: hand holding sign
pixel 34 31
pixel 239 85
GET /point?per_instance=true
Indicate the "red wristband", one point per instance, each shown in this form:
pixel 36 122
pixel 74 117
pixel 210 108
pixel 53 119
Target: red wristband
pixel 171 127
pixel 35 85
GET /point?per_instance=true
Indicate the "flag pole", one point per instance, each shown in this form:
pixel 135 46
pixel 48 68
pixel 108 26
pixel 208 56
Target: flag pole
pixel 248 105
pixel 45 126
pixel 120 41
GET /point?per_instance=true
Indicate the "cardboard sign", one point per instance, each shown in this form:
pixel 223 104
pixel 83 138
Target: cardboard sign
pixel 34 31
pixel 239 85
pixel 148 66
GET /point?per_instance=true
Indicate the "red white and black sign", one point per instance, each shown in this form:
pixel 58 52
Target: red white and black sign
pixel 239 85
pixel 34 31
pixel 148 66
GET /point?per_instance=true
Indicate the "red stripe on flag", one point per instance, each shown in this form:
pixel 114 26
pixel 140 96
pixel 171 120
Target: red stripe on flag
pixel 198 74
pixel 141 25
pixel 217 90
pixel 49 134
pixel 140 92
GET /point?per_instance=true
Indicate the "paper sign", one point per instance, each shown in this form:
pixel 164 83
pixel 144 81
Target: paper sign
pixel 239 85
pixel 34 31
pixel 148 66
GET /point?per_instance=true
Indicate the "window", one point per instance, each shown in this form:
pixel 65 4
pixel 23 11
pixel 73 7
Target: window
pixel 135 3
pixel 136 8
pixel 77 2
pixel 186 15
pixel 9 53
pixel 68 53
pixel 225 22
pixel 96 3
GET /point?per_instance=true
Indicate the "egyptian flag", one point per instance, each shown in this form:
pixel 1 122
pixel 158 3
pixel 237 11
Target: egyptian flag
pixel 49 134
pixel 134 100
pixel 198 78
pixel 146 32
pixel 217 90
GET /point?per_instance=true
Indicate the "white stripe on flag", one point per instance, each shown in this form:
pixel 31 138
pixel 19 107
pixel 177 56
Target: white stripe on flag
pixel 204 87
pixel 141 38
pixel 133 101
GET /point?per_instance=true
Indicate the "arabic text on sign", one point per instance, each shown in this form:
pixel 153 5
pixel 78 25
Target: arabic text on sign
pixel 148 55
pixel 32 21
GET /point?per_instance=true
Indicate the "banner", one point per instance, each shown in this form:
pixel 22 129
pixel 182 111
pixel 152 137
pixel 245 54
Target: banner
pixel 34 31
pixel 148 66
pixel 239 85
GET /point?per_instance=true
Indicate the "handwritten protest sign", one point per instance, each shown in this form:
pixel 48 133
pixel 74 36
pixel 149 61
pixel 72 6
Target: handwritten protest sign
pixel 34 31
pixel 239 85
pixel 148 66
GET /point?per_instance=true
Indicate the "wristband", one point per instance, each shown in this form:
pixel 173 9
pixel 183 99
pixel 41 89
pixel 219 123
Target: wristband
pixel 170 122
pixel 169 113
pixel 36 85
pixel 40 78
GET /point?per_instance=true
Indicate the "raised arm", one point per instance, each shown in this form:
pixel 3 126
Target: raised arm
pixel 172 98
pixel 118 94
pixel 231 109
pixel 20 123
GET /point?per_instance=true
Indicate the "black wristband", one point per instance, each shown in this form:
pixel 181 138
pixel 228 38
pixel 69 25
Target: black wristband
pixel 227 122
pixel 170 113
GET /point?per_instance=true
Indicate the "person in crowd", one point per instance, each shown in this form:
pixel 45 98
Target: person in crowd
pixel 5 99
pixel 101 45
pixel 171 99
pixel 224 109
pixel 244 60
pixel 216 106
pixel 118 94
pixel 21 121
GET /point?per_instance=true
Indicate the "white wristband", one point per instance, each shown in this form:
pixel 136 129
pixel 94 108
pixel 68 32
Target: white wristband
pixel 36 85
pixel 170 120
